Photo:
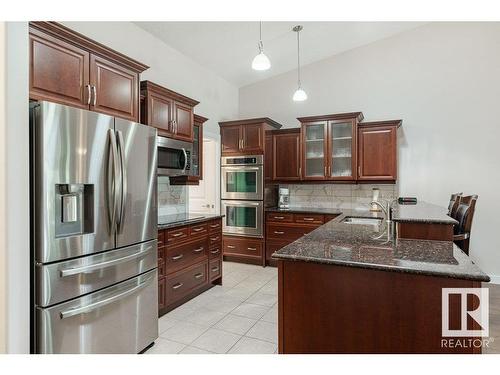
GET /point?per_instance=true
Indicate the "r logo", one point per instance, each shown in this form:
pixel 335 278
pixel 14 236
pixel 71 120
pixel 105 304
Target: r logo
pixel 465 312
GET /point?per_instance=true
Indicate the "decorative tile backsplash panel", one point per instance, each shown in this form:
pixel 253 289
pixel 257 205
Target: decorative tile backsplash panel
pixel 356 197
pixel 172 199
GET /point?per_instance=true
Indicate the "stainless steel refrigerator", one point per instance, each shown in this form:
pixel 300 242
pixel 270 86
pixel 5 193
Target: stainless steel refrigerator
pixel 94 229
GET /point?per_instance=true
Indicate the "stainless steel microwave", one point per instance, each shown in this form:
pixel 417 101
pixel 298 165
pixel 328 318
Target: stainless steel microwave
pixel 174 157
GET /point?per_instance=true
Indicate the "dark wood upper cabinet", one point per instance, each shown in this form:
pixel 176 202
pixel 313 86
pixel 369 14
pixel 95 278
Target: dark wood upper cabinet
pixel 68 68
pixel 286 155
pixel 268 157
pixel 168 111
pixel 197 157
pixel 245 137
pixel 329 145
pixel 377 152
pixel 115 89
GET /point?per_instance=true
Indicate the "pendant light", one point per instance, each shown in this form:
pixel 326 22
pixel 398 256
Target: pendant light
pixel 299 95
pixel 261 61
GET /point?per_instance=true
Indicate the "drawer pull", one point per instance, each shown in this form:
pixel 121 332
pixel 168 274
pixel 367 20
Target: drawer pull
pixel 279 217
pixel 230 246
pixel 214 225
pixel 197 229
pixel 215 269
pixel 198 275
pixel 308 219
pixel 216 251
pixel 177 286
pixel 177 257
pixel 252 248
pixel 214 238
pixel 198 250
pixel 278 232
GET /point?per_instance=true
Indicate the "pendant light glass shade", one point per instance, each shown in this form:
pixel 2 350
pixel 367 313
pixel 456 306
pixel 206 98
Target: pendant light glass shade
pixel 261 61
pixel 299 94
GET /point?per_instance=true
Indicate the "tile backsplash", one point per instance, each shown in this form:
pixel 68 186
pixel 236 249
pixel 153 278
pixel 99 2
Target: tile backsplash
pixel 172 199
pixel 356 197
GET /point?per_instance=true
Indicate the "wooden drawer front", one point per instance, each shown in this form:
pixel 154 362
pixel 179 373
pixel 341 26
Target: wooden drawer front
pixel 161 238
pixel 214 240
pixel 286 233
pixel 215 226
pixel 198 229
pixel 161 293
pixel 185 281
pixel 279 217
pixel 309 219
pixel 177 235
pixel 181 256
pixel 215 269
pixel 161 268
pixel 242 247
pixel 215 252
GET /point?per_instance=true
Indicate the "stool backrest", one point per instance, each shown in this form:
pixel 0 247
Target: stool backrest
pixel 454 203
pixel 465 213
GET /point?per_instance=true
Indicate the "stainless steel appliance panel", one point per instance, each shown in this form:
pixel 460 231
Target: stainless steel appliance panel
pixel 70 158
pixel 174 157
pixel 120 319
pixel 242 182
pixel 137 216
pixel 244 218
pixel 58 282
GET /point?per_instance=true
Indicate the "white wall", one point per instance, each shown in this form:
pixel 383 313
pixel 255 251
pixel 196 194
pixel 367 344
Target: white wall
pixel 443 80
pixel 3 211
pixel 168 67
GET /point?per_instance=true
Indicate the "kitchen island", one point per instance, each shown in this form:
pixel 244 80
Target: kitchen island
pixel 354 288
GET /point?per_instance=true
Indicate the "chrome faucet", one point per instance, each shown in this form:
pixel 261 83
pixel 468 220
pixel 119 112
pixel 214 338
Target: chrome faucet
pixel 387 209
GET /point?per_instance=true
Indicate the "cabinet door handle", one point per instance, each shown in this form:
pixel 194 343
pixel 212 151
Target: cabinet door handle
pixel 359 170
pixel 95 96
pixel 308 219
pixel 177 257
pixel 252 248
pixel 177 234
pixel 89 94
pixel 230 246
pixel 214 238
pixel 325 171
pixel 198 275
pixel 199 250
pixel 214 226
pixel 278 232
pixel 177 286
pixel 216 251
pixel 279 217
pixel 215 269
pixel 197 229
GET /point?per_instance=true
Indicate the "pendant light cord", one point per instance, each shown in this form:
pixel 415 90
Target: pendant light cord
pixel 261 46
pixel 298 57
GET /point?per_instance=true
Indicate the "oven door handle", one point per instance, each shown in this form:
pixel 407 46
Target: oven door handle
pixel 242 168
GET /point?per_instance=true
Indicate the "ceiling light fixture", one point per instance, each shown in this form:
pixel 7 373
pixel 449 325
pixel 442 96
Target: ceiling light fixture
pixel 261 61
pixel 299 94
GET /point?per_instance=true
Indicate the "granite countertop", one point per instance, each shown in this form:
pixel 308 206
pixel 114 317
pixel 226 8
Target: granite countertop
pixel 172 221
pixel 307 210
pixel 369 246
pixel 422 212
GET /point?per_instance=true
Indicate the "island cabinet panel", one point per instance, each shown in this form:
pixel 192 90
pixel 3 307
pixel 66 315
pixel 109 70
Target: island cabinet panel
pixel 59 71
pixel 68 68
pixel 367 311
pixel 189 262
pixel 425 231
pixel 115 89
pixel 245 137
pixel 286 155
pixel 171 113
pixel 377 152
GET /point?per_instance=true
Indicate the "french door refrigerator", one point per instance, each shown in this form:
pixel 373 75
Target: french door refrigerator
pixel 94 229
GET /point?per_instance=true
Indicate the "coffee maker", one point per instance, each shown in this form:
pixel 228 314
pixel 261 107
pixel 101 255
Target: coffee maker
pixel 284 198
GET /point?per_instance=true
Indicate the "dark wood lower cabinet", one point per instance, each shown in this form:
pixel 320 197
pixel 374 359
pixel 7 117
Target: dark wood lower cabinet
pixel 189 262
pixel 243 249
pixel 425 231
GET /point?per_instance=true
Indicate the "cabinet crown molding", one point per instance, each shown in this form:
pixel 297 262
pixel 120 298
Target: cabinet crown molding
pixel 396 123
pixel 336 116
pixel 151 86
pixel 64 33
pixel 199 119
pixel 258 120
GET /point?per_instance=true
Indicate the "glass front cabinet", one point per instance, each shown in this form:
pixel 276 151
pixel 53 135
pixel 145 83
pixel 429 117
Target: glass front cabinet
pixel 329 146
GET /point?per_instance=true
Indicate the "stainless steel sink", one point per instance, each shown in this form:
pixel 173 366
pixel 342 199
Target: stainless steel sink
pixel 362 220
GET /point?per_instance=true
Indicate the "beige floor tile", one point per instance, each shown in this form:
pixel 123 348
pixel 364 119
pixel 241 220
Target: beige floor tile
pixel 223 304
pixel 163 346
pixel 235 324
pixel 165 323
pixel 264 299
pixel 193 350
pixel 264 331
pixel 271 316
pixel 250 310
pixel 216 340
pixel 184 332
pixel 204 317
pixel 248 345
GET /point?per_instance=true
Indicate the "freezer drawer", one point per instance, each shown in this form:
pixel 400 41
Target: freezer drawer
pixel 62 281
pixel 120 319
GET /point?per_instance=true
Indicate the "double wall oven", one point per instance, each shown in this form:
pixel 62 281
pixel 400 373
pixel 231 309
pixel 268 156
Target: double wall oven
pixel 242 193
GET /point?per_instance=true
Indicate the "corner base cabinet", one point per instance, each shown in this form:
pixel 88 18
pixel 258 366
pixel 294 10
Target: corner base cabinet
pixel 189 262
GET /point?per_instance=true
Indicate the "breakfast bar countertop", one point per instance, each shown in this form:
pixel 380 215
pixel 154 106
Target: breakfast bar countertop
pixel 370 246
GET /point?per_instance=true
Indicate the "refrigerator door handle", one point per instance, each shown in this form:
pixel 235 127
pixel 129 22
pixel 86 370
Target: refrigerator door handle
pixel 124 183
pixel 93 306
pixel 113 175
pixel 100 266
